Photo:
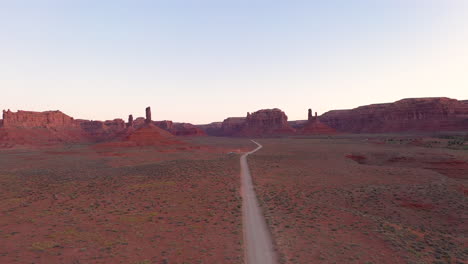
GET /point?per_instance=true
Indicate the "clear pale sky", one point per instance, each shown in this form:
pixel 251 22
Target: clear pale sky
pixel 204 60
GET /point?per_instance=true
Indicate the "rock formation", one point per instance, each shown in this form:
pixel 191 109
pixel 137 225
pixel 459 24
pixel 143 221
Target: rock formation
pixel 148 115
pixel 186 129
pixel 150 135
pixel 267 122
pixel 37 128
pixel 30 119
pixel 212 129
pixel 263 122
pixel 139 122
pixel 180 129
pixel 415 114
pixel 130 121
pixel 98 131
pixel 165 124
pixel 232 126
pixel 315 127
pixel 298 124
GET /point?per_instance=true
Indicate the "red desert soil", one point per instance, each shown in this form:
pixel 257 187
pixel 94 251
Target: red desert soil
pixel 154 204
pixel 345 199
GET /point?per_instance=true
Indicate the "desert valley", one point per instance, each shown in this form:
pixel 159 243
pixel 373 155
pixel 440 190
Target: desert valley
pixel 382 183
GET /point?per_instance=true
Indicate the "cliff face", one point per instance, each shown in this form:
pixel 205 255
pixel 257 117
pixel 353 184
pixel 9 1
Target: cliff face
pixel 212 129
pixel 416 114
pixel 29 119
pixel 232 126
pixel 37 128
pixel 267 122
pixel 263 122
pixel 179 129
pixel 99 131
pixel 186 129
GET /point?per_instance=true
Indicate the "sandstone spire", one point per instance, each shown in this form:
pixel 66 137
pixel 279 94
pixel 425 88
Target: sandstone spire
pixel 130 121
pixel 148 115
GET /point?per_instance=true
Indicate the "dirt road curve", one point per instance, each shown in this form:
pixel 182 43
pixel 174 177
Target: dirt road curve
pixel 257 240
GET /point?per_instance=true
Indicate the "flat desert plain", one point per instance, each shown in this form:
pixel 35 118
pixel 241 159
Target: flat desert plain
pixel 364 199
pixel 326 199
pixel 98 204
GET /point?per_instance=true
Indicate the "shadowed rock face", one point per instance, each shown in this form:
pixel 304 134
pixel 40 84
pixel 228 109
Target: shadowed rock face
pixel 212 129
pixel 186 129
pixel 148 115
pixel 180 129
pixel 416 114
pixel 232 126
pixel 99 131
pixel 130 121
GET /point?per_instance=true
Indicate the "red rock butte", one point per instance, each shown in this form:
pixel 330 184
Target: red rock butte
pixel 415 114
pixel 55 127
pixel 407 115
pixel 314 126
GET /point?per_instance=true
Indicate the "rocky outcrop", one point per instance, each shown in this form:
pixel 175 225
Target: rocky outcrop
pixel 150 135
pixel 30 119
pixel 179 129
pixel 297 124
pixel 232 126
pixel 98 131
pixel 314 126
pixel 186 129
pixel 415 114
pixel 267 122
pixel 38 128
pixel 148 115
pixel 261 123
pixel 139 122
pixel 165 124
pixel 130 121
pixel 212 129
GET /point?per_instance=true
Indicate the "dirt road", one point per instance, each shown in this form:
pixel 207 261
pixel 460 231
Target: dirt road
pixel 258 246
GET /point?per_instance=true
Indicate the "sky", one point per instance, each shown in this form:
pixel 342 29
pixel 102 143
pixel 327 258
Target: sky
pixel 202 61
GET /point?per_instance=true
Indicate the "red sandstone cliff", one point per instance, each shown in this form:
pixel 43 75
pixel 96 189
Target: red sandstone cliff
pixel 180 129
pixel 232 126
pixel 265 122
pixel 37 128
pixel 98 131
pixel 30 119
pixel 212 129
pixel 415 114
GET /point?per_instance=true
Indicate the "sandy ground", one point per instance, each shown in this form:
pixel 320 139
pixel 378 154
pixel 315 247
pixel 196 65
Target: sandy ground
pixel 257 240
